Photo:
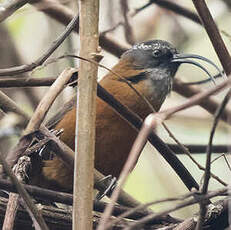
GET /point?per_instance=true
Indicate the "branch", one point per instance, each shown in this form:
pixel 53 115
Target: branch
pixel 204 189
pixel 196 99
pixel 8 105
pixel 64 15
pixel 177 9
pixel 43 58
pixel 86 116
pixel 37 119
pixel 56 218
pixel 66 198
pixel 10 7
pixel 11 211
pixel 135 214
pixel 186 203
pixel 209 104
pixel 214 35
pixel 47 100
pixel 27 82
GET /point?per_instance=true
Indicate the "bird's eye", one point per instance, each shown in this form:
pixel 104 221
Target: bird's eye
pixel 156 53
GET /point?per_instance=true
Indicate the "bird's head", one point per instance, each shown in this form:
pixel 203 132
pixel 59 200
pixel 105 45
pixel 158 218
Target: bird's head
pixel 161 58
pixel 151 54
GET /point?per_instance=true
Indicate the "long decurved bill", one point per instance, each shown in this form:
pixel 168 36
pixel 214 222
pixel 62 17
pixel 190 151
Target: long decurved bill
pixel 184 58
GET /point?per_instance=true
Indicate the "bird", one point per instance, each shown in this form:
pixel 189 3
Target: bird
pixel 150 68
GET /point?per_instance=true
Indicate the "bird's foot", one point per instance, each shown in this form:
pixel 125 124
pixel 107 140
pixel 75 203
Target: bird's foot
pixel 109 183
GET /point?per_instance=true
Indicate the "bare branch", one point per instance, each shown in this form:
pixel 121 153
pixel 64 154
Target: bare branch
pixel 64 16
pixel 66 198
pixel 187 152
pixel 198 148
pixel 26 82
pixel 86 116
pixel 43 58
pixel 186 203
pixel 209 104
pixel 196 99
pixel 177 9
pixel 11 212
pixel 8 105
pixel 10 7
pixel 214 35
pixel 204 189
pixel 47 100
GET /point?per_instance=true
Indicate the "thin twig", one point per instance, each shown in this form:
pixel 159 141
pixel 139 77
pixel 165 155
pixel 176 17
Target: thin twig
pixel 142 206
pixel 194 100
pixel 204 189
pixel 114 73
pixel 209 147
pixel 217 76
pixel 61 14
pixel 43 58
pixel 20 171
pixel 112 28
pixel 169 5
pixel 227 162
pixel 187 203
pixel 209 104
pixel 187 152
pixel 214 35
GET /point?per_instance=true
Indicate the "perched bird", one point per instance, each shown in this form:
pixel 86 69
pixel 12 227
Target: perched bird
pixel 150 67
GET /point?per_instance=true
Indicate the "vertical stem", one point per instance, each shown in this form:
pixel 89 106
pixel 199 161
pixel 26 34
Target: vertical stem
pixel 86 112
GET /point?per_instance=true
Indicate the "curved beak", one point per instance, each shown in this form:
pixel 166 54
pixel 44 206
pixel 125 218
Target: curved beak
pixel 184 58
